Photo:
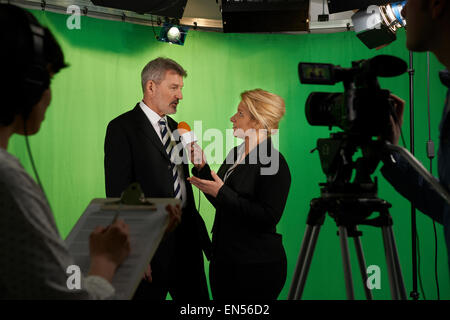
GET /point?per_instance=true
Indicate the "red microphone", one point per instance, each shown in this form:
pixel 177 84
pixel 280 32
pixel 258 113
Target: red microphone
pixel 186 134
pixel 187 137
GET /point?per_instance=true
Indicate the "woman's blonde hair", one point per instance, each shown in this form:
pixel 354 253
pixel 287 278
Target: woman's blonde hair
pixel 264 107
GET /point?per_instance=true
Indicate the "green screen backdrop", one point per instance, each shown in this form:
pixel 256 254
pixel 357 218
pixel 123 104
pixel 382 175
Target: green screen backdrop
pixel 103 81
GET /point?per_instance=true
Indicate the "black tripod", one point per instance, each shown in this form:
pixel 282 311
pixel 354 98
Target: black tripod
pixel 350 204
pixel 345 212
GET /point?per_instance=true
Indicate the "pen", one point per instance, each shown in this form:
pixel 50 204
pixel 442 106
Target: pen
pixel 115 218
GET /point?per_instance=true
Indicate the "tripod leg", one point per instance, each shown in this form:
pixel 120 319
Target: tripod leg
pixel 400 283
pixel 316 217
pixel 300 261
pixel 390 262
pixel 346 263
pixel 307 263
pixel 362 266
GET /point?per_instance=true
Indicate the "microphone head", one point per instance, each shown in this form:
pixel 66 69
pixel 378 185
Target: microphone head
pixel 388 66
pixel 183 125
pixel 187 136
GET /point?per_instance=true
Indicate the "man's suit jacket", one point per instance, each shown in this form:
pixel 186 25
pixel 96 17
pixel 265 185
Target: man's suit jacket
pixel 134 153
pixel 248 207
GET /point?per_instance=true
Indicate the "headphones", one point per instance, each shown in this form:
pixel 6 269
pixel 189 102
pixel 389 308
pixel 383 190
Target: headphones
pixel 33 77
pixel 36 78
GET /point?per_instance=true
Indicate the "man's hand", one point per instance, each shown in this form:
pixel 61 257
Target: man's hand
pixel 174 216
pixel 396 121
pixel 148 274
pixel 207 186
pixel 174 220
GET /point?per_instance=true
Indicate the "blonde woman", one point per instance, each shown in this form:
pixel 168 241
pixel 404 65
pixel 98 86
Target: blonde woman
pixel 249 193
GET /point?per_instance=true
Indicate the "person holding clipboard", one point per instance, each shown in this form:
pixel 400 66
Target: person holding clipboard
pixel 34 258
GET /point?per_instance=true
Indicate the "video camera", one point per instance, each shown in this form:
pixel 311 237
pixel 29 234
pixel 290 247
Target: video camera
pixel 363 111
pixel 363 108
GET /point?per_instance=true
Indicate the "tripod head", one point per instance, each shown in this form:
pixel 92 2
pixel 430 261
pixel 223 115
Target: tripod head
pixel 351 202
pixel 336 158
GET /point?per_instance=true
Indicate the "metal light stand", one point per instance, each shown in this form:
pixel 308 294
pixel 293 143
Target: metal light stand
pixel 414 293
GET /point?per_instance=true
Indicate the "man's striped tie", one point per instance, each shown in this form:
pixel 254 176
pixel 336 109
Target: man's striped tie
pixel 166 141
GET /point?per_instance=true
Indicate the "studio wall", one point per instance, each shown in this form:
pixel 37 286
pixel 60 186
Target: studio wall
pixel 103 81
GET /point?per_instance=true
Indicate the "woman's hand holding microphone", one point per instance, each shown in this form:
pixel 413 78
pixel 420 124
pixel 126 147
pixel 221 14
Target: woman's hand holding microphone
pixel 197 157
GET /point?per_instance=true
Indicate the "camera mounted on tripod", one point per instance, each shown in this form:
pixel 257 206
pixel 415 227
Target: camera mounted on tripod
pixel 362 111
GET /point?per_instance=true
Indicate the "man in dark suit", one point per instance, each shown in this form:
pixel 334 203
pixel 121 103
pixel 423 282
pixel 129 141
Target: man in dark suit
pixel 139 147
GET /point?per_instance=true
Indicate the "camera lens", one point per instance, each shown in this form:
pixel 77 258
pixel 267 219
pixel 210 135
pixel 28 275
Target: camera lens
pixel 325 108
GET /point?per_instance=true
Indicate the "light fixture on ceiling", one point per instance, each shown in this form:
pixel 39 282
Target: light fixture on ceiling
pixel 172 33
pixel 377 26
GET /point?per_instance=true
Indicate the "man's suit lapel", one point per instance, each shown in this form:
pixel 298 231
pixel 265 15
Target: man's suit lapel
pixel 144 124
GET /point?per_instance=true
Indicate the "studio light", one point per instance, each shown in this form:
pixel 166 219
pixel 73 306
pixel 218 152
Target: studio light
pixel 173 34
pixel 377 25
pixel 392 15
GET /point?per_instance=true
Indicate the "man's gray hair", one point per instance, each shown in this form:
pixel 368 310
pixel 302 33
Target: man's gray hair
pixel 156 69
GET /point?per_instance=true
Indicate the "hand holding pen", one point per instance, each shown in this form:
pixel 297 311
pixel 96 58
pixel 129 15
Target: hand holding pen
pixel 109 247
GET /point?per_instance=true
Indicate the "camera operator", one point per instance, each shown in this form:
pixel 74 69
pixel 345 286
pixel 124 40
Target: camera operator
pixel 428 30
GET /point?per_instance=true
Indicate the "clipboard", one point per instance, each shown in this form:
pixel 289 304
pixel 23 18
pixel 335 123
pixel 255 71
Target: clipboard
pixel 147 221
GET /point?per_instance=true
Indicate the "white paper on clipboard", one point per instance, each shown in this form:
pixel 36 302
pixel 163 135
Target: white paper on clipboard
pixel 146 231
